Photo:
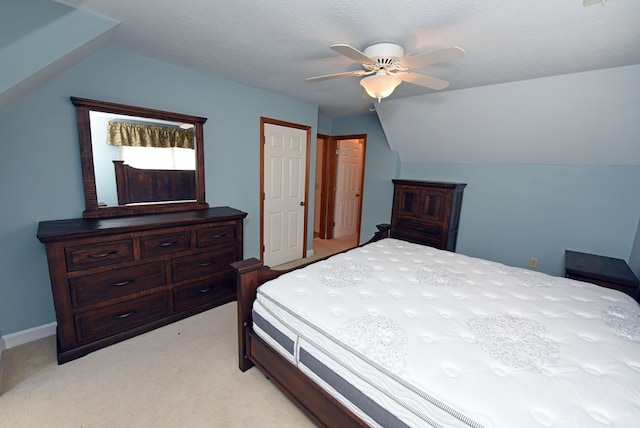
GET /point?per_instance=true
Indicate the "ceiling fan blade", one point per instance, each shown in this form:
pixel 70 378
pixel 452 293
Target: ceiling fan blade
pixel 422 80
pixel 433 57
pixel 353 53
pixel 335 76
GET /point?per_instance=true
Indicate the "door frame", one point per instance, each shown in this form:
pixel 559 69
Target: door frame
pixel 331 171
pixel 263 121
pixel 323 159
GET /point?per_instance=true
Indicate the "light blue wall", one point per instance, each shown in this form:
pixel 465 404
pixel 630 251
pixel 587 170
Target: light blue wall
pixel 324 125
pixel 518 204
pixel 106 188
pixel 634 258
pixel 40 176
pixel 513 212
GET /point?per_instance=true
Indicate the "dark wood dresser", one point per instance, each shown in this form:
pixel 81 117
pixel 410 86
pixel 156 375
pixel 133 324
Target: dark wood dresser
pixel 115 278
pixel 605 271
pixel 427 212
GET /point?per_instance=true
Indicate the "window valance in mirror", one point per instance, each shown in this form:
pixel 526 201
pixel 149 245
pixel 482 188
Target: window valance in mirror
pixel 142 135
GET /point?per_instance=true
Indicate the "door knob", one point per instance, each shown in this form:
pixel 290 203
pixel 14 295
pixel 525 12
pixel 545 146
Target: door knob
pixel 302 204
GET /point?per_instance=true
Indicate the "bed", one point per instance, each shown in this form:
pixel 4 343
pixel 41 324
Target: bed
pixel 135 185
pixel 397 334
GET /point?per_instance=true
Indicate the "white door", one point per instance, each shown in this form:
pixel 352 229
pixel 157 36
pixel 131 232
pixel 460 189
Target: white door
pixel 348 187
pixel 285 159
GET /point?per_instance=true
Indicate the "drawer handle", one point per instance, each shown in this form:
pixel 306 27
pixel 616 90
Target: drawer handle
pixel 127 315
pixel 122 283
pixel 102 255
pixel 205 264
pixel 419 228
pixel 166 244
pixel 206 290
pixel 219 236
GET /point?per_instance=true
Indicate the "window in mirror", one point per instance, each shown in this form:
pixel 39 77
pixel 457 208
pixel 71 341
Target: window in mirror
pixel 158 158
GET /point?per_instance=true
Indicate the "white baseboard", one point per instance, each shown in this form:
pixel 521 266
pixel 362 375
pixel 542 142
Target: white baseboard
pixel 2 347
pixel 22 337
pixel 29 335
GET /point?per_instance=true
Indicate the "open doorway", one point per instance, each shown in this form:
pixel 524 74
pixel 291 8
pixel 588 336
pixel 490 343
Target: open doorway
pixel 339 186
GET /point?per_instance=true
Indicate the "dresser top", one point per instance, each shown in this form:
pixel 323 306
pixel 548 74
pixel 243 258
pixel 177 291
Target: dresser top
pixel 599 267
pixel 55 230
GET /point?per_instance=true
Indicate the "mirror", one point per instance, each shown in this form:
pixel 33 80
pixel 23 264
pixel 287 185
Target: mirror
pixel 169 145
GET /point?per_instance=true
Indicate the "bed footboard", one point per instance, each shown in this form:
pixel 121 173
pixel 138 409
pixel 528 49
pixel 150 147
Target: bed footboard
pixel 250 273
pixel 136 185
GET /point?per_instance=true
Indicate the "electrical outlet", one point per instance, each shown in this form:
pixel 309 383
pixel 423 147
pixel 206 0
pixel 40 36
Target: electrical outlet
pixel 533 263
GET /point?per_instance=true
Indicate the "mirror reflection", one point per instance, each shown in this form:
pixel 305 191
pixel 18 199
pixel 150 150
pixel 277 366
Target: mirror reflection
pixel 139 161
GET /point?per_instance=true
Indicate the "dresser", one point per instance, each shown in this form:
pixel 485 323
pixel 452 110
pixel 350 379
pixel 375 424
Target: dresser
pixel 427 212
pixel 115 278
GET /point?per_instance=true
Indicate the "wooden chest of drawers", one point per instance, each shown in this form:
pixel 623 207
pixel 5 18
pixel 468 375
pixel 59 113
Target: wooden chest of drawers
pixel 427 212
pixel 116 278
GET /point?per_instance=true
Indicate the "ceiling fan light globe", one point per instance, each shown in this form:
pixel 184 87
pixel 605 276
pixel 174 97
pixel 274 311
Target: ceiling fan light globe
pixel 380 85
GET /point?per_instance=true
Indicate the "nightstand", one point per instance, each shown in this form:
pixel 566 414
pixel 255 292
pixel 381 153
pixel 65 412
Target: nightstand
pixel 604 271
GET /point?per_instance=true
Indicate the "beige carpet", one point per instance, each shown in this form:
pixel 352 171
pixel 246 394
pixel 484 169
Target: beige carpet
pixel 182 375
pixel 323 248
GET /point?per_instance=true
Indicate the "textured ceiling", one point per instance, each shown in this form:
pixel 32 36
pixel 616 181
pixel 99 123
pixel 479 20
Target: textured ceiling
pixel 275 45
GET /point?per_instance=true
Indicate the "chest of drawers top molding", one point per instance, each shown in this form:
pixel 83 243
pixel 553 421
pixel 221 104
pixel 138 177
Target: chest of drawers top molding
pixel 115 278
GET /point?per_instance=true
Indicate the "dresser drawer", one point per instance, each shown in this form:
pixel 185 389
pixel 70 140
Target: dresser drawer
pixel 159 245
pixel 217 235
pixel 202 265
pixel 105 253
pixel 424 229
pixel 433 241
pixel 116 283
pixel 203 293
pixel 94 325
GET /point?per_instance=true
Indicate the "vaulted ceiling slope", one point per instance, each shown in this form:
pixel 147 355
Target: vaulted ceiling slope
pixel 275 45
pixel 589 118
pixel 41 39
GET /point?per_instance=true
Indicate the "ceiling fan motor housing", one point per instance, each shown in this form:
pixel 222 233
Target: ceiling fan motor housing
pixel 385 53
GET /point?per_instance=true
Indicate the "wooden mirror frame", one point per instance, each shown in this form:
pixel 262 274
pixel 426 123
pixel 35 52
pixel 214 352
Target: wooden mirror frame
pixel 92 208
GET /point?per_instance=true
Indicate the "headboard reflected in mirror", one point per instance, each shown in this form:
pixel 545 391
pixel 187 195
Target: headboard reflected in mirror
pixel 137 160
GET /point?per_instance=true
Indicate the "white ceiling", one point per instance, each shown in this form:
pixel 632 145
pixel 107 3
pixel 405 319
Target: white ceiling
pixel 275 45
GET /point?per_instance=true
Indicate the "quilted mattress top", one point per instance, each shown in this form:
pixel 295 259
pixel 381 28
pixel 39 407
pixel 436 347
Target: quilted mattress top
pixel 499 345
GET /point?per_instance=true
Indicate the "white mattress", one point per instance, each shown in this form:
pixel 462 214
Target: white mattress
pixel 441 339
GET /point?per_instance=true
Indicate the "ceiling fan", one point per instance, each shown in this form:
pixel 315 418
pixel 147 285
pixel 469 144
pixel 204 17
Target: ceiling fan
pixel 386 67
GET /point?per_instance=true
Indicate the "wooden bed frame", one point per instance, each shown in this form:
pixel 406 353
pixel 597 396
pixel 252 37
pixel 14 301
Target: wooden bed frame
pixel 153 185
pixel 321 407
